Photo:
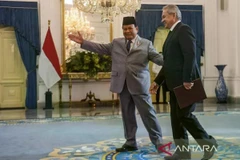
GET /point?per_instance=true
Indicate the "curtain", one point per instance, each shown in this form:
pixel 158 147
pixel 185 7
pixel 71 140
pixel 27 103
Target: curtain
pixel 23 16
pixel 149 19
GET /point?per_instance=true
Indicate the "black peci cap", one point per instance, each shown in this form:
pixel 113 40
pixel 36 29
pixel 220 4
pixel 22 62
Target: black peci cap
pixel 129 20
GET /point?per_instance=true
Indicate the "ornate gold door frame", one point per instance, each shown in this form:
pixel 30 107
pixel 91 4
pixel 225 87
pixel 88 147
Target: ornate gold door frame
pixel 79 76
pixel 98 38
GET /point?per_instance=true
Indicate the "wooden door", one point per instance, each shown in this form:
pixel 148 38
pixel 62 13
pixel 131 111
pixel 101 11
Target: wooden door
pixel 12 71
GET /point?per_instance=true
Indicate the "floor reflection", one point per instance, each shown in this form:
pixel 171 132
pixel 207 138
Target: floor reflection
pixel 76 111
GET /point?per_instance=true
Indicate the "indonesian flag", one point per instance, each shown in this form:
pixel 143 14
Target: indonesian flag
pixel 49 67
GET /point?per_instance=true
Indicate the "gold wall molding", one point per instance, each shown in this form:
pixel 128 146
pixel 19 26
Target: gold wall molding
pixel 85 77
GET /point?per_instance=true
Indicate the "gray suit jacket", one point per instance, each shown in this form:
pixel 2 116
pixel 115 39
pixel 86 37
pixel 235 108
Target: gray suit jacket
pixel 131 67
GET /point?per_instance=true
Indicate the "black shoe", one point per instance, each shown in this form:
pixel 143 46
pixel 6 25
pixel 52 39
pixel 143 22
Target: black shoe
pixel 209 153
pixel 126 148
pixel 175 156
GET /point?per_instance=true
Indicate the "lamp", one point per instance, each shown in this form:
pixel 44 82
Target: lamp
pixel 108 8
pixel 76 21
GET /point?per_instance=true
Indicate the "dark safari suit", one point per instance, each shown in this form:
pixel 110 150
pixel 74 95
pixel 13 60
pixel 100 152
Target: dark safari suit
pixel 179 52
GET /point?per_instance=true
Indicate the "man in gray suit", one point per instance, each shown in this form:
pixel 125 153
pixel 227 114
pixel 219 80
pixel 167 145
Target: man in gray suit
pixel 130 78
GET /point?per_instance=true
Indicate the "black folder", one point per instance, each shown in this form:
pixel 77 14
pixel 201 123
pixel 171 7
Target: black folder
pixel 187 97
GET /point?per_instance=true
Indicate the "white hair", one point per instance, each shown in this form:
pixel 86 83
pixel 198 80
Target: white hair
pixel 173 9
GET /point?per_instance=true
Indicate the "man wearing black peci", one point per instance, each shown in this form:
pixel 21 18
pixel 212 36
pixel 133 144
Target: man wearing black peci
pixel 130 78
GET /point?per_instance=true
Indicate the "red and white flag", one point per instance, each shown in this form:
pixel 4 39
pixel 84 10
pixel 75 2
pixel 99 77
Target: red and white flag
pixel 49 67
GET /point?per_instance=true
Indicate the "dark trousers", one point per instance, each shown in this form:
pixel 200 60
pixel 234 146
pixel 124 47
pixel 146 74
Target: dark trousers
pixel 164 93
pixel 183 120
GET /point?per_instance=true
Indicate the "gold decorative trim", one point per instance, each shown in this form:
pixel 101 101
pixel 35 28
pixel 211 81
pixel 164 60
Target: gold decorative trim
pixel 63 66
pixel 85 77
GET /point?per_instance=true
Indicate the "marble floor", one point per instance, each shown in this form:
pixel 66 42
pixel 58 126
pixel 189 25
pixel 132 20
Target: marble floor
pixel 86 133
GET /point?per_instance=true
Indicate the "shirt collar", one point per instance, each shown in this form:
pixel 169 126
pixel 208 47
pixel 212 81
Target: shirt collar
pixel 134 39
pixel 174 25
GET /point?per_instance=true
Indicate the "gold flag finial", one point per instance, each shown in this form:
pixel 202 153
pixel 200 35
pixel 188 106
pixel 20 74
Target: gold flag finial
pixel 49 23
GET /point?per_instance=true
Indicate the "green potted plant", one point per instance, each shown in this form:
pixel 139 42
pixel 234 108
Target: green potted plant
pixel 89 63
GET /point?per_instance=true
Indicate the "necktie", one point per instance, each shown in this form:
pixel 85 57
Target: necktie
pixel 169 33
pixel 129 45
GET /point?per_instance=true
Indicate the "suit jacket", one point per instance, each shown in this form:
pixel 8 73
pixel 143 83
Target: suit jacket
pixel 132 66
pixel 179 52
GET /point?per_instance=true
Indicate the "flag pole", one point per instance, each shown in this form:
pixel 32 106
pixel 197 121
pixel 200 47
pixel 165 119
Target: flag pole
pixel 48 93
pixel 49 22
